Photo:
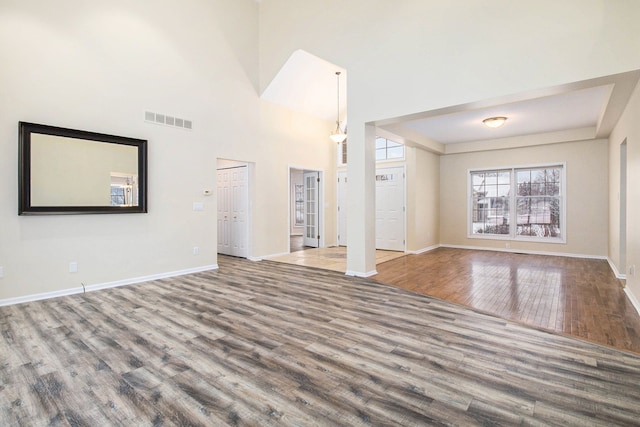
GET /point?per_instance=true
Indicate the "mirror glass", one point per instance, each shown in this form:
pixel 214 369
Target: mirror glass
pixel 72 171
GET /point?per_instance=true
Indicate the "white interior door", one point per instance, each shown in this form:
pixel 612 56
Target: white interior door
pixel 311 209
pixel 390 209
pixel 342 208
pixel 224 212
pixel 239 202
pixel 233 199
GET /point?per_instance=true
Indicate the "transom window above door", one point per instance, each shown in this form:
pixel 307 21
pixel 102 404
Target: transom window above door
pixel 386 149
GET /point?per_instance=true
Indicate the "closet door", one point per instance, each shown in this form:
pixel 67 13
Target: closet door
pixel 233 199
pixel 224 213
pixel 239 200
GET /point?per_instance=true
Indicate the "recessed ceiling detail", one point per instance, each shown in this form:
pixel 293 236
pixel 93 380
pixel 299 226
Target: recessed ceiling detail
pixel 572 110
pixel 582 110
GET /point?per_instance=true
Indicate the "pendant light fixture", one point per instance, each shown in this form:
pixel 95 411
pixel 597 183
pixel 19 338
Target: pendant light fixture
pixel 338 135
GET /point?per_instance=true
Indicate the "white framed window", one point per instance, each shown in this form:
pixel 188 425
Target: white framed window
pixel 387 149
pixel 518 203
pixel 342 153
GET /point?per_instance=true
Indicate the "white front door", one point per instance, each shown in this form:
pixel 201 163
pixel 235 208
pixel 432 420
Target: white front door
pixel 233 198
pixel 342 208
pixel 311 209
pixel 390 209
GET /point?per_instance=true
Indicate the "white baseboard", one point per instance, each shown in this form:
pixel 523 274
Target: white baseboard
pixel 525 251
pixel 423 250
pixel 357 274
pixel 106 285
pixel 269 256
pixel 615 270
pixel 633 299
pixel 37 297
pixel 141 279
pixel 253 258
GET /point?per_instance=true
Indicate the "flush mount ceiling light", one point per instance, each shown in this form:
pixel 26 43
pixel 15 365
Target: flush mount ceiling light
pixel 494 122
pixel 338 135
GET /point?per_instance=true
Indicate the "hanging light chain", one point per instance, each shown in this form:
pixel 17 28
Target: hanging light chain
pixel 338 101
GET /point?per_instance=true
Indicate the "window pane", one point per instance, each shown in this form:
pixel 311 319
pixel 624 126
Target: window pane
pixel 538 175
pixel 524 183
pixel 395 152
pixel 503 190
pixel 391 143
pixel 537 189
pixel 504 177
pixel 344 152
pixel 491 178
pixel 490 202
pixel 381 154
pixel 477 179
pixel 381 143
pixel 538 216
pixel 523 176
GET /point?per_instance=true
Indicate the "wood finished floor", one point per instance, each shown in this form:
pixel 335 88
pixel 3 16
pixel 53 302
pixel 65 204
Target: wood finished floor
pixel 329 258
pixel 296 244
pixel 574 296
pixel 274 344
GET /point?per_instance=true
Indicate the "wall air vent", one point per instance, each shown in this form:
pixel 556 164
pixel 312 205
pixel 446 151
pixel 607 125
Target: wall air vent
pixel 163 119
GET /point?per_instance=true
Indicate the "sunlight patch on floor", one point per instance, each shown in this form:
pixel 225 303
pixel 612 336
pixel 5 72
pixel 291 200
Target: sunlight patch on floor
pixel 334 258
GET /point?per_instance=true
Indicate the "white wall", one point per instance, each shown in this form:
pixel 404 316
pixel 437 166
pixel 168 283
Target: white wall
pixel 99 66
pixel 419 55
pixel 627 129
pixel 423 199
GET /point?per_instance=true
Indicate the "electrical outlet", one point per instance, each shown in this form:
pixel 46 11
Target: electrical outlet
pixel 73 267
pixel 507 245
pixel 196 250
pixel 632 270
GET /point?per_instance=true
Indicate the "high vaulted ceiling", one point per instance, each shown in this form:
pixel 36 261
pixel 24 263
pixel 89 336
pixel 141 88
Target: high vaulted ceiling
pixel 309 84
pixel 581 110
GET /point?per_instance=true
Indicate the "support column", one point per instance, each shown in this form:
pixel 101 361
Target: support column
pixel 361 208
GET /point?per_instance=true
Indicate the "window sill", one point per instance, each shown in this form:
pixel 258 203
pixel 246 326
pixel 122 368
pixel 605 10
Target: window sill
pixel 509 238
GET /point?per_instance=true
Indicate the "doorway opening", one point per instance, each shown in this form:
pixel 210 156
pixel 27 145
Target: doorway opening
pixel 306 196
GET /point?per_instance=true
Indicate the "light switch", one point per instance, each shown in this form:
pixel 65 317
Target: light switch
pixel 198 206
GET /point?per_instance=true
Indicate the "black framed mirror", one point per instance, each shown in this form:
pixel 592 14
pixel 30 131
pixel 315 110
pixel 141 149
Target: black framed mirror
pixel 68 171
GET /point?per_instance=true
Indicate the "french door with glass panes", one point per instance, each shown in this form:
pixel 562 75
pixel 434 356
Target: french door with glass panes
pixel 311 209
